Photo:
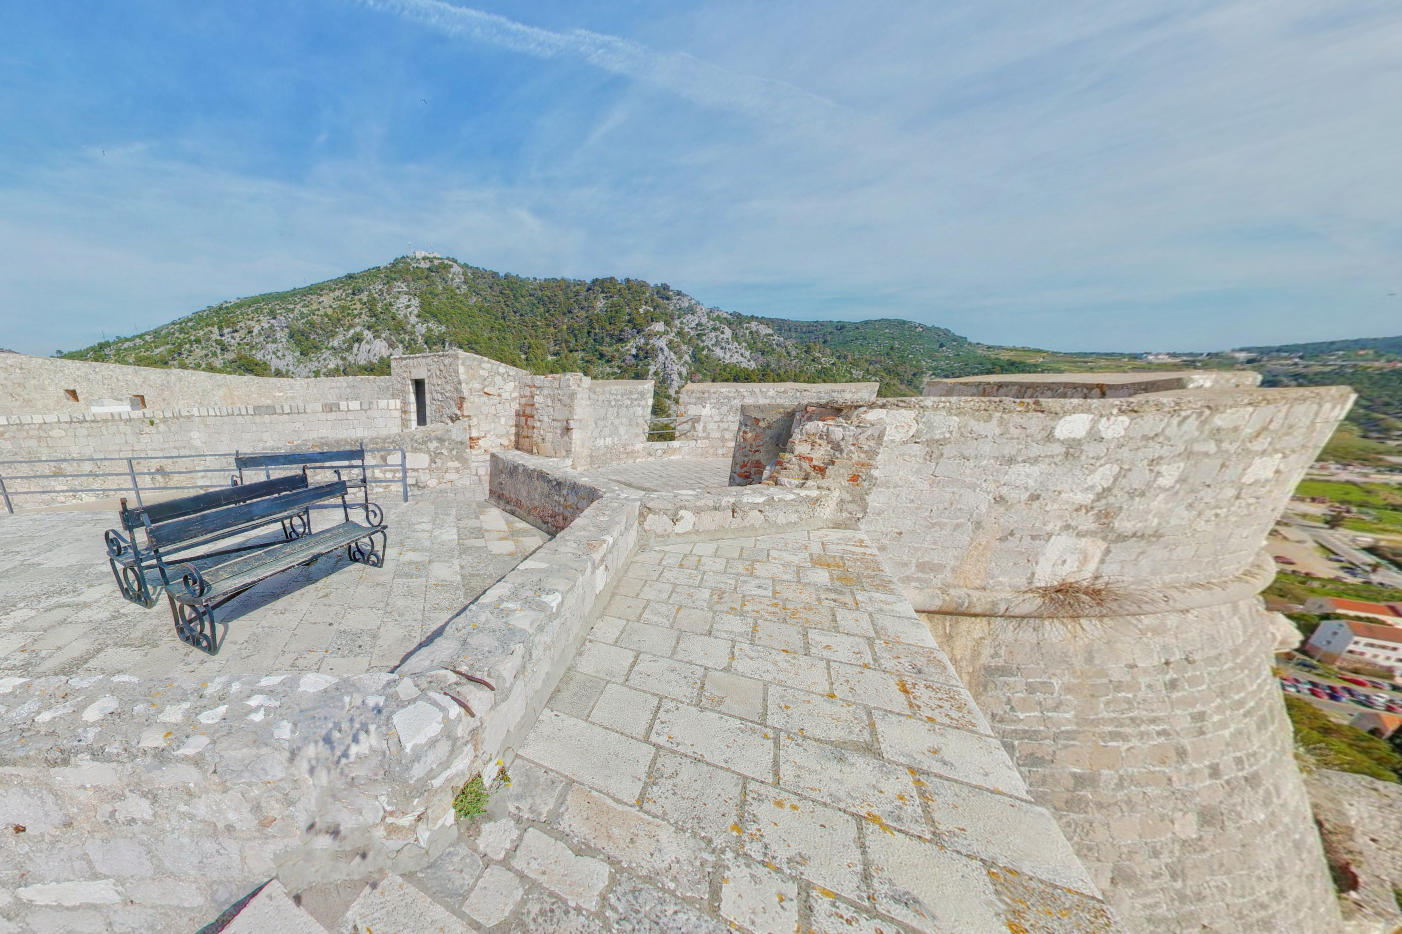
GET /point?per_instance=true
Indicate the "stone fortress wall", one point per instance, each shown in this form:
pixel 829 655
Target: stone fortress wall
pixel 711 411
pixel 1084 547
pixel 474 406
pixel 1091 560
pixel 41 386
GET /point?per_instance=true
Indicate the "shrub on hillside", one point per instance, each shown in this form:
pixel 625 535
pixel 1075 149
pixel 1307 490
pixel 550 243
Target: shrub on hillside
pixel 1336 746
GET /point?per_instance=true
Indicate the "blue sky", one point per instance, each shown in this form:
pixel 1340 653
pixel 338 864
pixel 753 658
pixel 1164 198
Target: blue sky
pixel 1076 175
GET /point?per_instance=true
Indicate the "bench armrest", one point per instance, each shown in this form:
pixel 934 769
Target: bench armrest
pixel 192 582
pixel 121 549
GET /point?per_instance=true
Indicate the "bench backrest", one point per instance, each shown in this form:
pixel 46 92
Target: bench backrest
pixel 299 459
pixel 171 509
pixel 225 521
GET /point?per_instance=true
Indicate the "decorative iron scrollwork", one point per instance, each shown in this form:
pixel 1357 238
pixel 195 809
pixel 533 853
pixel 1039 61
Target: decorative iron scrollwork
pixel 195 626
pixel 295 527
pixel 193 581
pixel 365 551
pixel 374 514
pixel 125 560
pixel 117 544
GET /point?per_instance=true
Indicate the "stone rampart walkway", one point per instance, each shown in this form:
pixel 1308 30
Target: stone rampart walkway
pixel 61 614
pixel 760 733
pixel 666 475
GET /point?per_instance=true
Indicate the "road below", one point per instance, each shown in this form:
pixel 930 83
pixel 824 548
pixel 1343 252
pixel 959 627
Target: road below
pixel 1339 544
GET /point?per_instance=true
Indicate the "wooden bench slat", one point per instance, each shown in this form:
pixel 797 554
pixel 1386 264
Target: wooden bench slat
pixel 231 519
pixel 294 459
pixel 242 573
pixel 203 502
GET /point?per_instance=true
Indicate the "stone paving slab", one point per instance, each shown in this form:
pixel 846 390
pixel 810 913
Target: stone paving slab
pixel 668 475
pixel 61 613
pixel 742 767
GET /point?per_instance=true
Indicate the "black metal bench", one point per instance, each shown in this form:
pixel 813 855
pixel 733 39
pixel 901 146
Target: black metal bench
pixel 191 554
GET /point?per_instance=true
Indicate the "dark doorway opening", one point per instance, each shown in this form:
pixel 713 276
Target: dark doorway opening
pixel 420 403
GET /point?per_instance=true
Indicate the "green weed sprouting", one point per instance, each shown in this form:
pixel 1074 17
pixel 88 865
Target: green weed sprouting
pixel 471 799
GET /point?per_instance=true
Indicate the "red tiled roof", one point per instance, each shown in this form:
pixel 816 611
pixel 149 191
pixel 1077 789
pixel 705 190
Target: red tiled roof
pixel 1358 606
pixel 1379 631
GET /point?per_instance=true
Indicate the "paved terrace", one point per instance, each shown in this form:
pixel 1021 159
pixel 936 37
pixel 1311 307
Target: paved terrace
pixel 758 734
pixel 61 614
pixel 661 476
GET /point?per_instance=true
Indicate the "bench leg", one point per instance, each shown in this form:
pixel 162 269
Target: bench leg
pixel 364 550
pixel 195 625
pixel 132 583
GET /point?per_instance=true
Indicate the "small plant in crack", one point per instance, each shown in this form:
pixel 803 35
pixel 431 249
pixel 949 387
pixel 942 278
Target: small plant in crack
pixel 471 799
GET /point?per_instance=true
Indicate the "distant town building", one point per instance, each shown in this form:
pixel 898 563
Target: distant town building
pixel 1390 613
pixel 1342 640
pixel 1381 725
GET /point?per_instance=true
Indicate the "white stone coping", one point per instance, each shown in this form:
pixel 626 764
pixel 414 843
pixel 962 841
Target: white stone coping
pixel 215 411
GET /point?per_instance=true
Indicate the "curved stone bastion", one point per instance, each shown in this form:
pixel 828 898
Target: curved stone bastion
pixel 1091 565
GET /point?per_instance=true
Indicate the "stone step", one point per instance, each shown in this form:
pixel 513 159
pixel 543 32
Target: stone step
pixel 396 907
pixel 271 910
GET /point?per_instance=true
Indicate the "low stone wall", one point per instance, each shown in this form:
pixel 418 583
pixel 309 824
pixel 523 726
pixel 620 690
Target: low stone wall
pixel 433 457
pixel 224 428
pixel 1089 386
pixel 37 386
pixel 711 411
pixel 763 435
pixel 154 437
pixel 727 513
pixel 540 490
pixel 619 411
pixel 549 494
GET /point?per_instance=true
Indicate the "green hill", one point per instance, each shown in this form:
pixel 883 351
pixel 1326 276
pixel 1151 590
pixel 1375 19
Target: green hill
pixel 607 328
pixel 1362 349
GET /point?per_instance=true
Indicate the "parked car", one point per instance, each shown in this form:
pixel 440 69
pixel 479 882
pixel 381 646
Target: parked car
pixel 1358 681
pixel 1281 559
pixel 1319 694
pixel 1336 559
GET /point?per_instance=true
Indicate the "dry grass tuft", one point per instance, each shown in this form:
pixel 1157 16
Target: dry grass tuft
pixel 1092 597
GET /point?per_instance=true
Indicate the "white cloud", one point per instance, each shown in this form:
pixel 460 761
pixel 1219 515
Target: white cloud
pixel 1081 175
pixel 679 73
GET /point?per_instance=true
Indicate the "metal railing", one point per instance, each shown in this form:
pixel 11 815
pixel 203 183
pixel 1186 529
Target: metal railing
pixel 670 425
pixel 127 468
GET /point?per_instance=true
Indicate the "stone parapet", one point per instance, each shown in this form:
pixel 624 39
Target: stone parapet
pixel 1088 385
pixel 543 491
pixel 1164 489
pixel 45 386
pixel 1102 555
pixel 710 412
